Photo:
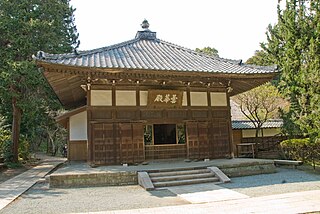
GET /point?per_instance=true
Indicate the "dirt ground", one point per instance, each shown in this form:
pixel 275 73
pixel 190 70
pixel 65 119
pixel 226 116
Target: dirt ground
pixel 8 173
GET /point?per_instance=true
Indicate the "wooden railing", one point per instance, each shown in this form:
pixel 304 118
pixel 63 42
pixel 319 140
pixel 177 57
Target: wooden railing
pixel 265 143
pixel 167 151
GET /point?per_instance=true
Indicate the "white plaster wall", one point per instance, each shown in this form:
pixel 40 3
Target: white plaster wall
pixel 266 132
pixel 101 98
pixel 271 132
pixel 199 98
pixel 218 99
pixel 249 133
pixel 143 98
pixel 126 98
pixel 184 99
pixel 78 126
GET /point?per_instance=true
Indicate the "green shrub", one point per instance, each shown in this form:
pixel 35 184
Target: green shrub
pixel 24 149
pixel 301 149
pixel 7 151
pixel 5 146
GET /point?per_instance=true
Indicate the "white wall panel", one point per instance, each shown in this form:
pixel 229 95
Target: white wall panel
pixel 199 98
pixel 78 126
pixel 101 98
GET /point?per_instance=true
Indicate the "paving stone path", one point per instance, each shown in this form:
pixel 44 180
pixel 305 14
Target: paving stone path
pixel 14 187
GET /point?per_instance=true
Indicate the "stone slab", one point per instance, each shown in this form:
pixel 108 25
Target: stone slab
pixel 145 181
pixel 219 174
pixel 205 193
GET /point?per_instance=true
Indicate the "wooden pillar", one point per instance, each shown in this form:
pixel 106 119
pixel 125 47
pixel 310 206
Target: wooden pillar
pixel 189 101
pixel 90 155
pixel 231 150
pixel 138 115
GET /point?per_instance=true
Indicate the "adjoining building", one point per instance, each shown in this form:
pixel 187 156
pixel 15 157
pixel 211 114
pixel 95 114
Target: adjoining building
pixel 147 99
pixel 266 144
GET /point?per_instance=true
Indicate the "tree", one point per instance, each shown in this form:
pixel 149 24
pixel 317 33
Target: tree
pixel 261 58
pixel 294 45
pixel 208 50
pixel 27 26
pixel 260 104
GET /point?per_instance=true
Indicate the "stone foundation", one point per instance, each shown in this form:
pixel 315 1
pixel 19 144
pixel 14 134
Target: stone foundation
pixel 93 179
pixel 120 178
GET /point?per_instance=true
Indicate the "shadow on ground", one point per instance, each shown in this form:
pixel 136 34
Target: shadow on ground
pixel 283 176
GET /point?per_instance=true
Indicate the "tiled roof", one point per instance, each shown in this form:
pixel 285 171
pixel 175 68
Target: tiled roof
pixel 146 52
pixel 246 124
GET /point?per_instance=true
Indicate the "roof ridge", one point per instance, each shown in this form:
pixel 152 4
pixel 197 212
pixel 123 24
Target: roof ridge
pixel 105 48
pixel 247 120
pixel 84 52
pixel 261 67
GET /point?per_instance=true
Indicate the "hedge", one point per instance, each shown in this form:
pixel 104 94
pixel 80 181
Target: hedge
pixel 301 149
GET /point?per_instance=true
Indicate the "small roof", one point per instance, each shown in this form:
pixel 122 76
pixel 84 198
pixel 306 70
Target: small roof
pixel 247 124
pixel 145 57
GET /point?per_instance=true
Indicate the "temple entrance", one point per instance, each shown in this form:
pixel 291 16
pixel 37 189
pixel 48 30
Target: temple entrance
pixel 164 134
pixel 165 141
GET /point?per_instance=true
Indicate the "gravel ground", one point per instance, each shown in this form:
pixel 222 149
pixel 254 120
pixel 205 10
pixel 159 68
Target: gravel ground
pixel 284 181
pixel 44 200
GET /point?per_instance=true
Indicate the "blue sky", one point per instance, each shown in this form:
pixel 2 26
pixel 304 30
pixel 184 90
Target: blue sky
pixel 235 28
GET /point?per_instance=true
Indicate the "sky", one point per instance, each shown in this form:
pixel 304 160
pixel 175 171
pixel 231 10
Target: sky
pixel 234 27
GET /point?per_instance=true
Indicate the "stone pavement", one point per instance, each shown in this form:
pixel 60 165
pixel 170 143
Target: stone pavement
pixel 14 187
pixel 297 202
pixel 205 193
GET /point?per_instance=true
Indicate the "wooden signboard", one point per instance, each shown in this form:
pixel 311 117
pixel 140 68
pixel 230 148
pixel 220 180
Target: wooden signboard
pixel 165 98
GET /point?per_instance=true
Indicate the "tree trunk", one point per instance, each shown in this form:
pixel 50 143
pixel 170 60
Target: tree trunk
pixel 16 121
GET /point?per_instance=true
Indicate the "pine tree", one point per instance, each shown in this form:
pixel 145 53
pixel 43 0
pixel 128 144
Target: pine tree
pixel 294 45
pixel 27 26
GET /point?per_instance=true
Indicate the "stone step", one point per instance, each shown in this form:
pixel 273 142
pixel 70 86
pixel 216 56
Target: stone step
pixel 178 172
pixel 185 182
pixel 182 177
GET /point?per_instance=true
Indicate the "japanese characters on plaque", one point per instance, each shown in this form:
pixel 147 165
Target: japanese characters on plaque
pixel 165 98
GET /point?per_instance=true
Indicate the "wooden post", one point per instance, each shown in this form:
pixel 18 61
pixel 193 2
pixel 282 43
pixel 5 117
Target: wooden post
pixel 230 126
pixel 90 158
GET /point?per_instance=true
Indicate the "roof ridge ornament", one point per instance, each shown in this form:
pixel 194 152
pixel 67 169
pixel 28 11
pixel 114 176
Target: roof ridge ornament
pixel 145 24
pixel 146 34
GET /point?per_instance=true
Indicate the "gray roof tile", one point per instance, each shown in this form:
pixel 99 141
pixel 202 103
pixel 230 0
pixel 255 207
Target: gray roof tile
pixel 150 53
pixel 246 124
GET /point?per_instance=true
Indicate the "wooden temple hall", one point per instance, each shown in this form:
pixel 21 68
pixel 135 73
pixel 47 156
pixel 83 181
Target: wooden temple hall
pixel 147 99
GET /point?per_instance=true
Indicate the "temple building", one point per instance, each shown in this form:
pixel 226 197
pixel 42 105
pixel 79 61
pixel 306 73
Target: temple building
pixel 147 99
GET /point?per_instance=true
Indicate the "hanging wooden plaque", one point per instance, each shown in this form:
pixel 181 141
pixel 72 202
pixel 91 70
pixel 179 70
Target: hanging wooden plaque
pixel 165 98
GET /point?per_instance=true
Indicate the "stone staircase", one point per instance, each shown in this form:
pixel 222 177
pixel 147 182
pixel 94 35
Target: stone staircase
pixel 180 176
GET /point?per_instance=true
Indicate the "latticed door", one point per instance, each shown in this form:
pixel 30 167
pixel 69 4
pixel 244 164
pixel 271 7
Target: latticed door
pixel 115 143
pixel 131 142
pixel 104 143
pixel 198 140
pixel 221 138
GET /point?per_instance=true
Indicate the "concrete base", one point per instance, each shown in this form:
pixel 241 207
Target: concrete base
pixel 82 175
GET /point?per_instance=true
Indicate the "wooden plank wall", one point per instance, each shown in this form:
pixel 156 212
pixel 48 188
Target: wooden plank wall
pixel 237 137
pixel 115 143
pixel 131 142
pixel 208 139
pixel 78 150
